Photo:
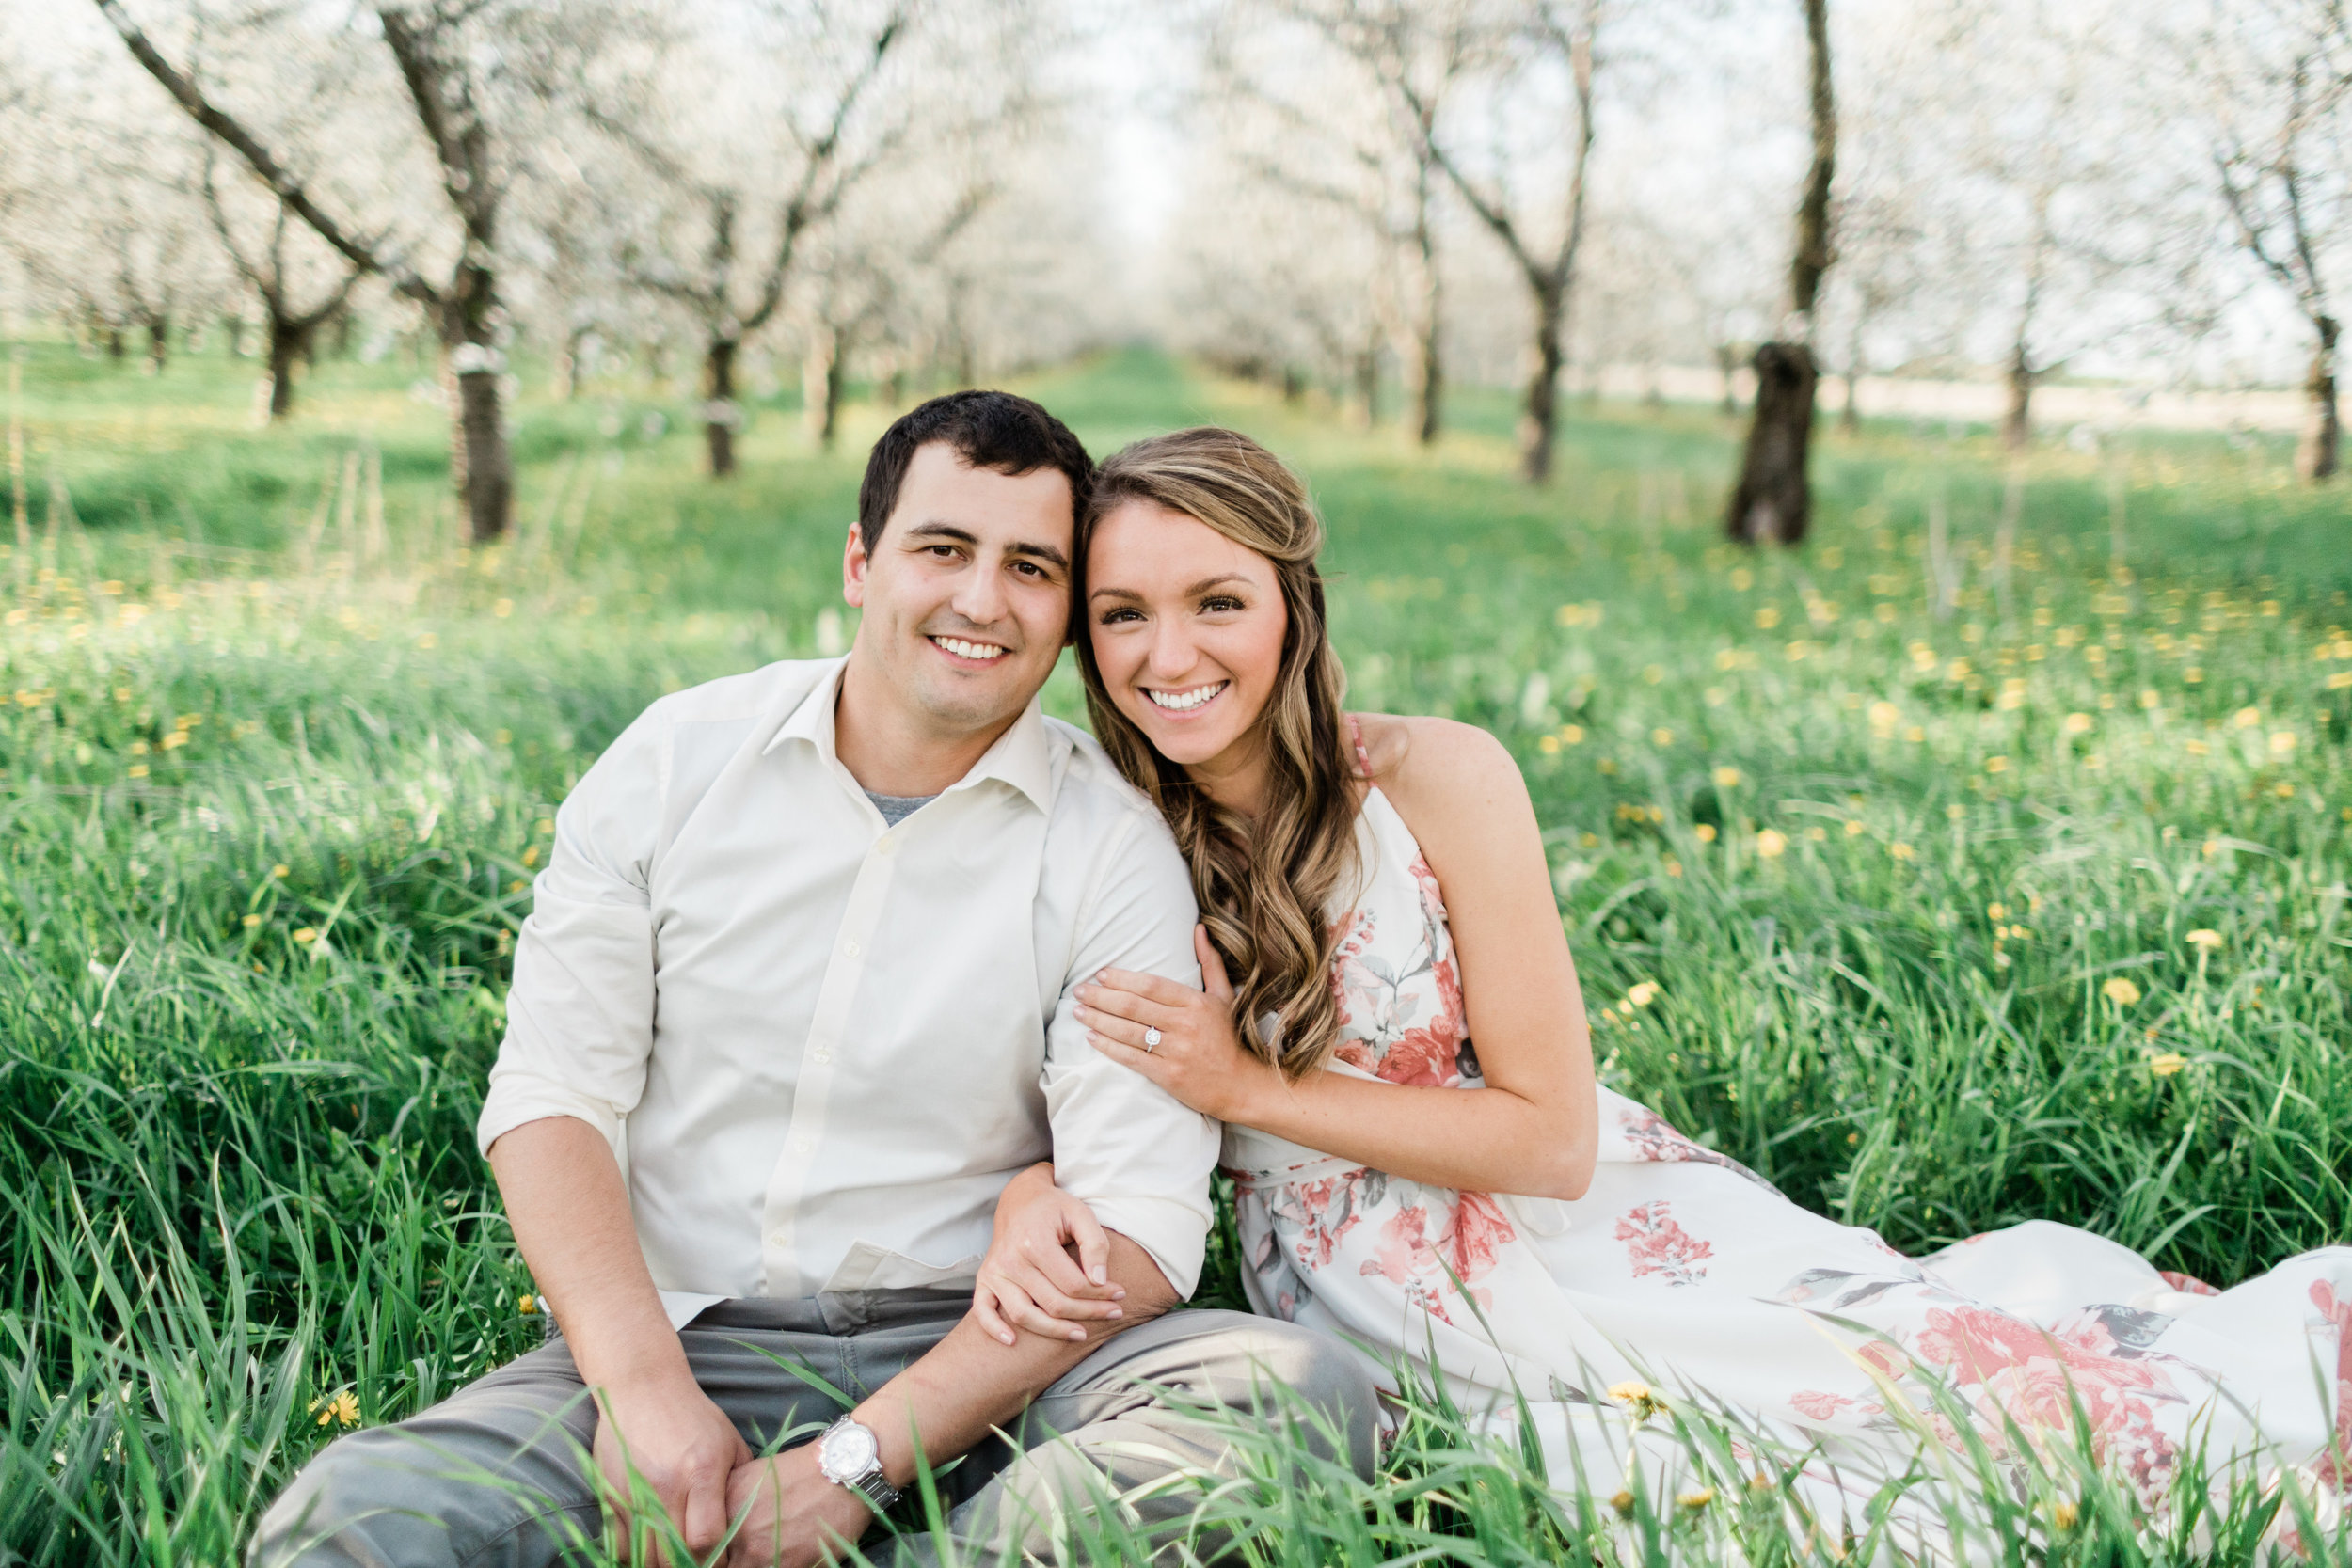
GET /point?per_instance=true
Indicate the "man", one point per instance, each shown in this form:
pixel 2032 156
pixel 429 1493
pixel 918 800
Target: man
pixel 791 1007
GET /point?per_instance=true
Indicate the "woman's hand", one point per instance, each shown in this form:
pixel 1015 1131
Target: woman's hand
pixel 1028 1279
pixel 1197 1055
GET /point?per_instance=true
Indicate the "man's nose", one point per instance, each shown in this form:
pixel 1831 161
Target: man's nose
pixel 980 599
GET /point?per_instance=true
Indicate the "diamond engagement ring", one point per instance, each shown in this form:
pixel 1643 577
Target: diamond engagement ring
pixel 1151 1041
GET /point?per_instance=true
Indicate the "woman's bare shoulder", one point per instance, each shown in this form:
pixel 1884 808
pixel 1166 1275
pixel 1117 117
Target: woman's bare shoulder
pixel 1434 762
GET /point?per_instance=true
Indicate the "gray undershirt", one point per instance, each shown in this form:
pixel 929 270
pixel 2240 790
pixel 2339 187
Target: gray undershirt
pixel 898 808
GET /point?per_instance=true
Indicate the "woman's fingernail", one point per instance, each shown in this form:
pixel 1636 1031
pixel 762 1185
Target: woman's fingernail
pixel 1115 1313
pixel 1095 1273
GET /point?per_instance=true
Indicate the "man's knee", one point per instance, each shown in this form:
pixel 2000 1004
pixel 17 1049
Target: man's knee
pixel 1313 1384
pixel 435 1491
pixel 354 1497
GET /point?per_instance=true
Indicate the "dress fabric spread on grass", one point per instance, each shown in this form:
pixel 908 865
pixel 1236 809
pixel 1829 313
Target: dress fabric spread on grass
pixel 1683 1271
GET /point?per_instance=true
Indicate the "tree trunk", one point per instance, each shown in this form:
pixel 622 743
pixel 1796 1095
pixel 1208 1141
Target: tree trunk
pixel 567 363
pixel 285 345
pixel 1775 498
pixel 1429 388
pixel 485 473
pixel 1429 384
pixel 1368 382
pixel 1773 503
pixel 158 342
pixel 816 380
pixel 719 414
pixel 836 377
pixel 1294 386
pixel 2017 418
pixel 1727 365
pixel 113 342
pixel 1540 419
pixel 2315 455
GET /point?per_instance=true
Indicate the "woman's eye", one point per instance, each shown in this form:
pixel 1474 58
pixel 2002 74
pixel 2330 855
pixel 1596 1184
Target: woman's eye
pixel 1220 604
pixel 1113 616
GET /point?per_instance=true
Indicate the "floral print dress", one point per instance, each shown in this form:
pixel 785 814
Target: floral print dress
pixel 1683 1272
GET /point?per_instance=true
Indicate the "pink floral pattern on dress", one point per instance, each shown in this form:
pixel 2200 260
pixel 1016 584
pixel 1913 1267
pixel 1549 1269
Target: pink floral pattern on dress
pixel 2336 1308
pixel 1652 1139
pixel 1655 1244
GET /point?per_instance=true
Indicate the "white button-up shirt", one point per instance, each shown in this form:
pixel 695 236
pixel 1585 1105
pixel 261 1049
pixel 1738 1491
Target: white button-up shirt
pixel 819 1047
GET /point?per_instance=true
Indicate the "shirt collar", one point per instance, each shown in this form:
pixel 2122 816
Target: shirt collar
pixel 1022 756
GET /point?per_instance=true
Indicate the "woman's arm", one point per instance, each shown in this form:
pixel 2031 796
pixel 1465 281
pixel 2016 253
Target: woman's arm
pixel 1536 1128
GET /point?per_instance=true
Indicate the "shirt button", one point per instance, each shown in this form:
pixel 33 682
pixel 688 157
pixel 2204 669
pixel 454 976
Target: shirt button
pixel 850 949
pixel 781 1239
pixel 886 846
pixel 821 1055
pixel 804 1143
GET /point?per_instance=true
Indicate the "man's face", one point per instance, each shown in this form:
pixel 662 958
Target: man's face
pixel 967 592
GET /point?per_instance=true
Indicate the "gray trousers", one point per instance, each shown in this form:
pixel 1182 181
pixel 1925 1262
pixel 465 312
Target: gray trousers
pixel 500 1473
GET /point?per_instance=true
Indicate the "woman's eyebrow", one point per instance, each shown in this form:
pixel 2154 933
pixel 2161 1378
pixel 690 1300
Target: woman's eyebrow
pixel 1198 588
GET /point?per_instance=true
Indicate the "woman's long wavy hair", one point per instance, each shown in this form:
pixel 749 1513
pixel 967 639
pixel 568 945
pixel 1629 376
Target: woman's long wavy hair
pixel 1264 886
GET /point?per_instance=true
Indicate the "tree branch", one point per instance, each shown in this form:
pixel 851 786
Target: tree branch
pixel 363 254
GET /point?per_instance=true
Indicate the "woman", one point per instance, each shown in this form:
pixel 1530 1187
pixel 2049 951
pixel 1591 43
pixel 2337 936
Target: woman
pixel 1375 898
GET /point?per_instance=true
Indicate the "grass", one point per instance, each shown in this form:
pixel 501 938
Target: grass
pixel 1884 867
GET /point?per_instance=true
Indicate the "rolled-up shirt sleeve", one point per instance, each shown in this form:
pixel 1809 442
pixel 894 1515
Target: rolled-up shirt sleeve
pixel 1136 1155
pixel 579 1014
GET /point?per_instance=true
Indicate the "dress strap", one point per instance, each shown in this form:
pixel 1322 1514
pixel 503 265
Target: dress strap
pixel 1356 739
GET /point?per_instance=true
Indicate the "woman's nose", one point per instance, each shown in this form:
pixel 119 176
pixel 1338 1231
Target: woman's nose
pixel 1172 653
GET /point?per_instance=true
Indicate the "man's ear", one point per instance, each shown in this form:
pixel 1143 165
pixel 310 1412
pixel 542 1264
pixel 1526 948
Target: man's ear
pixel 855 563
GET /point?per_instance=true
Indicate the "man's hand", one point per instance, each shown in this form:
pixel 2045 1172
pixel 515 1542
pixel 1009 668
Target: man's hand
pixel 683 1451
pixel 792 1515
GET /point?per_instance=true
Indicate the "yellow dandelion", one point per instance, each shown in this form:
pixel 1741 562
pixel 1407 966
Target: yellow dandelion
pixel 2166 1063
pixel 1771 843
pixel 2247 718
pixel 1727 778
pixel 136 770
pixel 1549 745
pixel 1643 994
pixel 1996 764
pixel 531 855
pixel 1698 1499
pixel 1703 833
pixel 1623 1503
pixel 2204 936
pixel 1571 735
pixel 1853 829
pixel 2062 1514
pixel 1662 737
pixel 2282 743
pixel 1996 911
pixel 306 936
pixel 502 608
pixel 251 921
pixel 280 871
pixel 1901 851
pixel 2119 991
pixel 1636 1396
pixel 1674 867
pixel 1885 716
pixel 344 1409
pixel 1914 735
pixel 528 1305
pixel 2077 723
pixel 1768 617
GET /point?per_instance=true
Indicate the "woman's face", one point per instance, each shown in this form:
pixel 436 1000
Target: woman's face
pixel 1186 628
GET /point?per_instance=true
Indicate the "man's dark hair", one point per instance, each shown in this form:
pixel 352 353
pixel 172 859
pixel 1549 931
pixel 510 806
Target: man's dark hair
pixel 987 430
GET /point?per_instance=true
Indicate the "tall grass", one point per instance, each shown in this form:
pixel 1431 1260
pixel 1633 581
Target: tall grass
pixel 1910 848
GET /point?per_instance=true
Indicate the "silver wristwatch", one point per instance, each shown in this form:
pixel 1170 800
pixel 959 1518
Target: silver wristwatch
pixel 849 1454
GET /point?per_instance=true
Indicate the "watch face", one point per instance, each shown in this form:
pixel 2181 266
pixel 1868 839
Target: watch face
pixel 845 1451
